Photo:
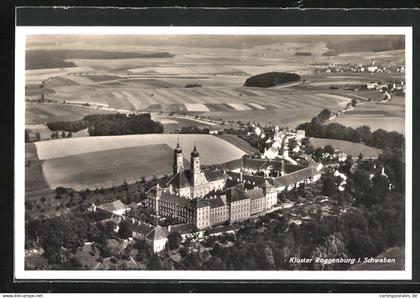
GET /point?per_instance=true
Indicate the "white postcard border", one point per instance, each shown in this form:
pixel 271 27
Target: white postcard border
pixel 19 199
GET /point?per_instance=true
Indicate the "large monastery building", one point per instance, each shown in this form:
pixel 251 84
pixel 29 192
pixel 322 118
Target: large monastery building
pixel 233 192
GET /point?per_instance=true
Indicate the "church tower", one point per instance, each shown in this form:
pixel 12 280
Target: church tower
pixel 178 160
pixel 195 164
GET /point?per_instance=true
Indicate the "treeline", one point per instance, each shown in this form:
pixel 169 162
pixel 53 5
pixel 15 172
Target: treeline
pixel 380 138
pixel 193 130
pixel 110 124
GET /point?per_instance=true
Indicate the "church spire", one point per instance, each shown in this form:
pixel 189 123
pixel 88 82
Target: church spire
pixel 195 153
pixel 178 159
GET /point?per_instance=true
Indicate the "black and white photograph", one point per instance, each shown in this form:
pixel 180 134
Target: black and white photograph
pixel 187 152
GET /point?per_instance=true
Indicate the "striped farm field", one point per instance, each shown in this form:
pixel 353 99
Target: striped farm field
pixel 139 94
pixel 43 113
pixel 107 161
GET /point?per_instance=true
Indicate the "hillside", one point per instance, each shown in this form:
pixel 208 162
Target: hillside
pixel 40 59
pixel 271 79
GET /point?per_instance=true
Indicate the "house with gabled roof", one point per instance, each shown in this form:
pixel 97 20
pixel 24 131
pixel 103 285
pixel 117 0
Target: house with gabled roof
pixel 157 238
pixel 114 208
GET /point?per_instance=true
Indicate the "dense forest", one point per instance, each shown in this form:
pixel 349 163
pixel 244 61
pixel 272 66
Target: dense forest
pixel 110 124
pixel 271 79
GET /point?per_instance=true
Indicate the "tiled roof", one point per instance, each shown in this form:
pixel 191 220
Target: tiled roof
pixel 157 233
pixel 201 203
pixel 181 179
pixel 288 168
pixel 182 228
pixel 254 163
pixel 142 228
pixel 231 165
pixel 274 164
pixel 112 206
pixel 255 193
pixel 218 202
pixel 254 180
pixel 266 184
pixel 235 194
pixel 295 177
pixel 212 175
pixel 173 199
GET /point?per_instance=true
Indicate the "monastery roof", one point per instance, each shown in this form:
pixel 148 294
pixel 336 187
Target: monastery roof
pixel 275 164
pixel 255 193
pixel 217 202
pixel 231 165
pixel 266 184
pixel 174 199
pixel 212 175
pixel 235 194
pixel 157 233
pixel 201 203
pixel 252 179
pixel 181 179
pixel 185 178
pixel 254 163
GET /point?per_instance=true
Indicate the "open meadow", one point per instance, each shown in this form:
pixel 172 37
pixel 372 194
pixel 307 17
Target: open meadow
pixel 105 161
pixel 350 148
pixel 388 115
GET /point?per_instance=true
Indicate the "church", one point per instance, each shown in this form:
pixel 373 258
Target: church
pixel 194 182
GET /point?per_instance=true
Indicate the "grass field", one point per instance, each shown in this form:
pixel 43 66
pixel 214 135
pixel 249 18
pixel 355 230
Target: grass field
pixel 103 169
pixel 35 182
pixel 213 150
pixel 238 142
pixel 105 161
pixel 43 113
pixel 350 148
pixel 387 115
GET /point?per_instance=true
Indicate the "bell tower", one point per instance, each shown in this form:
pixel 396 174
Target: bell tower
pixel 178 159
pixel 195 163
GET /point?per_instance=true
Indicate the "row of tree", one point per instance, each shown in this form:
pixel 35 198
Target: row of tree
pixel 110 124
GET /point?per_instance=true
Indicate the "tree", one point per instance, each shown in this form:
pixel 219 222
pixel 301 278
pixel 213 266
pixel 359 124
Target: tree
pixel 329 186
pixel 125 229
pixel 324 116
pixel 63 134
pixel 154 263
pixel 174 240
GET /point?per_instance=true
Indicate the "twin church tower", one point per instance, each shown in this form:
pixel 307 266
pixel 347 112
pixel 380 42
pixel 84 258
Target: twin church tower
pixel 194 161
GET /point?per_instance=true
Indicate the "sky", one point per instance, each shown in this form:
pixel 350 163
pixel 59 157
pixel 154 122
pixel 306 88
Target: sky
pixel 225 41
